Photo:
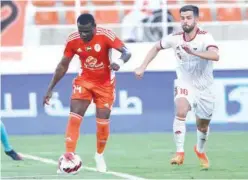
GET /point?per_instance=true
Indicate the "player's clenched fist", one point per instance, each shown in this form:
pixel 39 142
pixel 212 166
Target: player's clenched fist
pixel 47 97
pixel 114 67
pixel 116 64
pixel 139 72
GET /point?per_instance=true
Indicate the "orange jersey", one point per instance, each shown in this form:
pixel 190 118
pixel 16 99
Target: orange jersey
pixel 94 55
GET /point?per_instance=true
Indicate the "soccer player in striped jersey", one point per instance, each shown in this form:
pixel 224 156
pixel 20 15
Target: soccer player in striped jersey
pixel 195 51
pixel 95 82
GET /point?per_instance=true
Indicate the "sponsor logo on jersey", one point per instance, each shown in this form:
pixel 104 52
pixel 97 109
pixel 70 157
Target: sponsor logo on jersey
pixel 92 63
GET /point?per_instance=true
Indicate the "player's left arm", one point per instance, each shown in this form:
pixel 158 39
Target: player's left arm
pixel 125 53
pixel 211 51
pixel 125 56
pixel 115 43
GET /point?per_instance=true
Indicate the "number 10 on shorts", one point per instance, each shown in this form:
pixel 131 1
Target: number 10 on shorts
pixel 181 91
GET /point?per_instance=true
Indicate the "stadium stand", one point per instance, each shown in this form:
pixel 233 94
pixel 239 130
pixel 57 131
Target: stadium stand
pixel 229 14
pixel 216 15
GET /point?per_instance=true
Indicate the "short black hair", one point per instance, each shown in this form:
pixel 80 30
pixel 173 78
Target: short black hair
pixel 193 8
pixel 86 18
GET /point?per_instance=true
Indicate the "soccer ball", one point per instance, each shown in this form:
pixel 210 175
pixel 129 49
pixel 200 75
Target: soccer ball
pixel 71 166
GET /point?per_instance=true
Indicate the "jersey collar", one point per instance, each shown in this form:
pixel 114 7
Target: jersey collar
pixel 184 38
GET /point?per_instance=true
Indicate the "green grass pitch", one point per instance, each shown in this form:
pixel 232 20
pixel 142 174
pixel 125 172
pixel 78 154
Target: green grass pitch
pixel 141 155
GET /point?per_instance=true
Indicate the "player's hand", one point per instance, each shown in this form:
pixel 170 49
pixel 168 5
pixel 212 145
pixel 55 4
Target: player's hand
pixel 47 97
pixel 114 66
pixel 139 72
pixel 187 49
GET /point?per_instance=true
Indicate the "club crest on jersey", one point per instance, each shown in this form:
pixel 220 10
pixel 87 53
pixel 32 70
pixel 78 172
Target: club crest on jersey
pixel 88 48
pixel 97 47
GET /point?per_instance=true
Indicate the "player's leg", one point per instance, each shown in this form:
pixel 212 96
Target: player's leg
pixel 202 133
pixel 80 100
pixel 104 100
pixel 182 107
pixel 6 145
pixel 4 138
pixel 102 134
pixel 102 128
pixel 204 111
pixel 78 108
pixel 179 129
pixel 202 136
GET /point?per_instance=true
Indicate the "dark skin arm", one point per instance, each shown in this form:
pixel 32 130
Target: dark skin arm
pixel 60 71
pixel 125 56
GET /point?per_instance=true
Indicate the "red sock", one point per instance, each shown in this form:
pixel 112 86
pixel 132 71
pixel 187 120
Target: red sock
pixel 102 134
pixel 73 131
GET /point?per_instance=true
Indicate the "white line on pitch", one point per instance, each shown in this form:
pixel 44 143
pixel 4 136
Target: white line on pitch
pixel 50 161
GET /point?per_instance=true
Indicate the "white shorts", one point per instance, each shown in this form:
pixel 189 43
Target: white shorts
pixel 201 101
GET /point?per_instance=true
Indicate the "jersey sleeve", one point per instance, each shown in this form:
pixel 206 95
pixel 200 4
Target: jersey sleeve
pixel 209 42
pixel 166 42
pixel 112 40
pixel 68 51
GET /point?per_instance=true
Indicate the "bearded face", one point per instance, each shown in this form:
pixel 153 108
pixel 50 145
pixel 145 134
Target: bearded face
pixel 188 21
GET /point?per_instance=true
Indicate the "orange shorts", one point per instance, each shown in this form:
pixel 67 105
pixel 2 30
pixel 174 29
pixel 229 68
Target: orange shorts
pixel 102 95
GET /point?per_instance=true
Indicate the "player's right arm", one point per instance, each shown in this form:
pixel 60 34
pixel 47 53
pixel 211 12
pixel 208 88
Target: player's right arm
pixel 165 43
pixel 60 71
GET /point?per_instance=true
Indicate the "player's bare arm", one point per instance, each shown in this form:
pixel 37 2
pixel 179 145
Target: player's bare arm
pixel 60 71
pixel 139 72
pixel 125 56
pixel 212 53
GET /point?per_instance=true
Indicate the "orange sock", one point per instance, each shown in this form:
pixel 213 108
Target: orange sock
pixel 73 131
pixel 102 134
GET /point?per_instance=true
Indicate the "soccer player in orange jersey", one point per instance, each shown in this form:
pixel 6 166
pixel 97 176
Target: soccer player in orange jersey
pixel 96 81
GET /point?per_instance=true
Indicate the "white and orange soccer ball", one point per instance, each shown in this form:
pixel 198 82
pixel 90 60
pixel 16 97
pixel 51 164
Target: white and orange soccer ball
pixel 69 163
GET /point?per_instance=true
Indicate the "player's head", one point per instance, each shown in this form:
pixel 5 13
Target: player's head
pixel 189 17
pixel 86 26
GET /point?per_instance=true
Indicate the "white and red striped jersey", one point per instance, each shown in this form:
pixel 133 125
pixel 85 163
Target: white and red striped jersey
pixel 192 69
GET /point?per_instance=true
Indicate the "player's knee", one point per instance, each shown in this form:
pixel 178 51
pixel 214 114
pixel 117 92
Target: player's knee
pixel 79 106
pixel 182 107
pixel 182 112
pixel 103 113
pixel 78 111
pixel 203 129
